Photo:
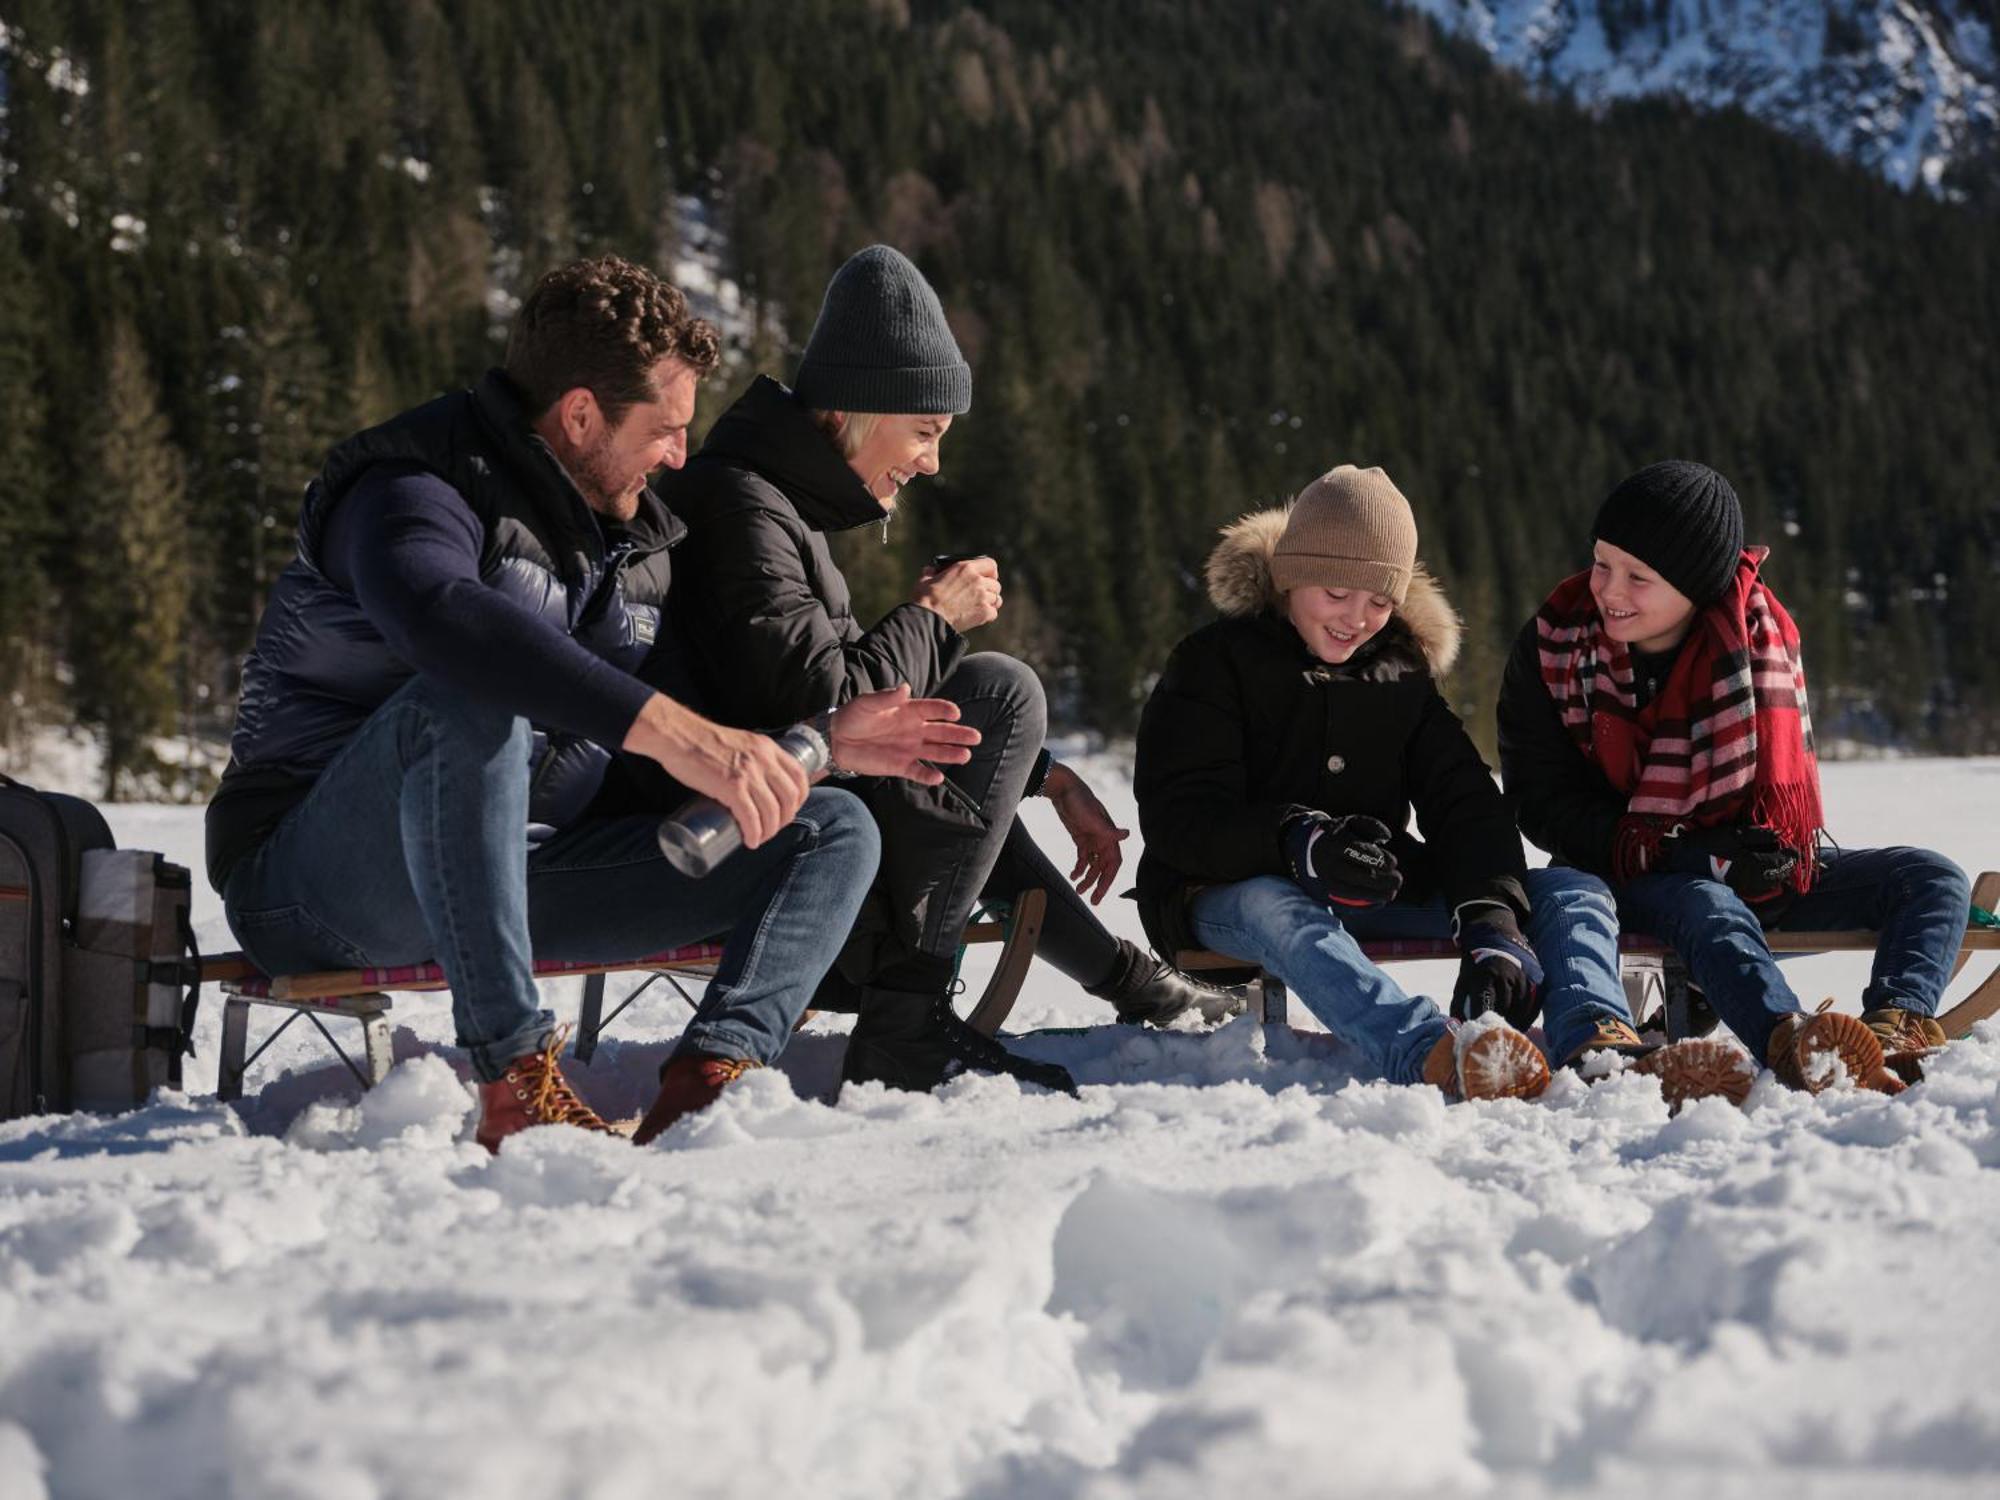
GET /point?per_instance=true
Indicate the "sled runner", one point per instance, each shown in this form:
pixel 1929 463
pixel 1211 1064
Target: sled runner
pixel 363 994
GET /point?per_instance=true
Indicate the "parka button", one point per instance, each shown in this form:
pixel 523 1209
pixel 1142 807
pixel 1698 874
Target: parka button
pixel 1336 763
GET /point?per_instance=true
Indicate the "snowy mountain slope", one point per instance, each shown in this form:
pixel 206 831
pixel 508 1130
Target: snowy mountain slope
pixel 1226 1269
pixel 1909 88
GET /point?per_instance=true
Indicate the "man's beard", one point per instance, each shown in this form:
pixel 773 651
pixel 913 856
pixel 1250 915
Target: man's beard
pixel 602 487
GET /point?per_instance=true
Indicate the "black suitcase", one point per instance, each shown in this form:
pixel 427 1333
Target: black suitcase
pixel 43 838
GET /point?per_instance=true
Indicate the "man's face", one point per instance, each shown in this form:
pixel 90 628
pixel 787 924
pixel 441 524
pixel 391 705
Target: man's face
pixel 610 462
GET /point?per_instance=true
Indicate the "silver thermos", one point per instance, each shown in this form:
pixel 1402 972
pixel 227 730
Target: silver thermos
pixel 701 833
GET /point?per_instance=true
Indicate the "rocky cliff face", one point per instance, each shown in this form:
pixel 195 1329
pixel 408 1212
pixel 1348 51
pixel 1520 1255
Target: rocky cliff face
pixel 1909 88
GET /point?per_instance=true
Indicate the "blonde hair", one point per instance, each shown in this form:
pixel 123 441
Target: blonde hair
pixel 848 430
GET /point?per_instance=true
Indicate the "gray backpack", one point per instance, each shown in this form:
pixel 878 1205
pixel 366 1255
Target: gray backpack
pixel 99 976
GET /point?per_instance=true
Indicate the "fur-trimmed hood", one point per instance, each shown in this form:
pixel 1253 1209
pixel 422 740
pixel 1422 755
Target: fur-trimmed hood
pixel 1239 584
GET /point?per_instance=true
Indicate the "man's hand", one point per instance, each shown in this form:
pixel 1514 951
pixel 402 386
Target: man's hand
pixel 967 593
pixel 1344 862
pixel 1499 970
pixel 760 783
pixel 892 734
pixel 1097 837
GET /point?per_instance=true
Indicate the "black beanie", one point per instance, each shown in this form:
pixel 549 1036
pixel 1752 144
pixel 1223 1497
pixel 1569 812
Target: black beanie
pixel 881 343
pixel 1680 519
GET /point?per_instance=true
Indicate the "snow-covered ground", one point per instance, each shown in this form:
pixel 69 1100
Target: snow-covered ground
pixel 1226 1269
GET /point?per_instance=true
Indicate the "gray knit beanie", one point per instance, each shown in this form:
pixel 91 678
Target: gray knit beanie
pixel 881 343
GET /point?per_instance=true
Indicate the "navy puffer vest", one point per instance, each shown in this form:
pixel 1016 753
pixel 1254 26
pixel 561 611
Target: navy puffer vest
pixel 318 668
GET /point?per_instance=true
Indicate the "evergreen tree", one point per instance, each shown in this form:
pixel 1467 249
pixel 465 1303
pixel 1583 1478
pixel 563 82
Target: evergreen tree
pixel 26 606
pixel 131 595
pixel 277 407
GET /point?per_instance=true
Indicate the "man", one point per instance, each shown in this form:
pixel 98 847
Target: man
pixel 441 678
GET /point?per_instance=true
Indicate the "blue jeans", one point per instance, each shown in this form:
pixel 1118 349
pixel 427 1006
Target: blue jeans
pixel 1268 920
pixel 412 845
pixel 1917 900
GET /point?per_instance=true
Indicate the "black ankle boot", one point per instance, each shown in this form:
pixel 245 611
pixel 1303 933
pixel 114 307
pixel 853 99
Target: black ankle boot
pixel 895 1043
pixel 1146 990
pixel 909 1041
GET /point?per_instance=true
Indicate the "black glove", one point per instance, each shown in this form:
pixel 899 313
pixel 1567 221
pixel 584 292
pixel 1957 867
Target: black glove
pixel 1499 970
pixel 1750 860
pixel 1341 861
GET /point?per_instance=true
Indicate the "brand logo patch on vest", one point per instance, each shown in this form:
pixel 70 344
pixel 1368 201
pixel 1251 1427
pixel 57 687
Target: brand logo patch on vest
pixel 645 623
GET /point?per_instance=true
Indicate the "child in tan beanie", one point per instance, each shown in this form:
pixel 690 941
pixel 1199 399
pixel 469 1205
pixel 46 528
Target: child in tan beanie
pixel 1280 759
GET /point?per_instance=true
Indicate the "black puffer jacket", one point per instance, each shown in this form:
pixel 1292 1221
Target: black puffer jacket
pixel 759 598
pixel 1245 725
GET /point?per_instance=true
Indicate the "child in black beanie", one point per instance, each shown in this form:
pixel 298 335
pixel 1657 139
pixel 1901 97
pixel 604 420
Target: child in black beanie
pixel 1654 730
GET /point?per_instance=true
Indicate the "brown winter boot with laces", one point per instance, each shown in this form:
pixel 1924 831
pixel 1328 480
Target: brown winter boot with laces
pixel 1487 1062
pixel 689 1082
pixel 1693 1068
pixel 1907 1038
pixel 1804 1049
pixel 532 1092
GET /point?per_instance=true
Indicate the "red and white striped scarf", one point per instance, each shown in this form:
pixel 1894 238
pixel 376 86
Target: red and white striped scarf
pixel 1727 739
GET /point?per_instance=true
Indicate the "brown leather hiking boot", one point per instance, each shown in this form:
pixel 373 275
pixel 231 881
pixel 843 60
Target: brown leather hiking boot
pixel 1907 1038
pixel 1804 1049
pixel 1487 1062
pixel 689 1082
pixel 531 1092
pixel 1692 1068
pixel 1699 1067
pixel 1610 1036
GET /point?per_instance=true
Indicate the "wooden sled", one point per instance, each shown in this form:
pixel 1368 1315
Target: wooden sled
pixel 362 995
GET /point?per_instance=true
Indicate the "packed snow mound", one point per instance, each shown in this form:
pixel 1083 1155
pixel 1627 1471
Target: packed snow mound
pixel 1908 88
pixel 1228 1268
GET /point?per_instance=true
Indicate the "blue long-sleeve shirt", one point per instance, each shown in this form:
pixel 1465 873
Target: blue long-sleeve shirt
pixel 407 546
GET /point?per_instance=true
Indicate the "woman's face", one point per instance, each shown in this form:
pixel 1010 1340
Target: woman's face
pixel 1336 623
pixel 1637 605
pixel 897 451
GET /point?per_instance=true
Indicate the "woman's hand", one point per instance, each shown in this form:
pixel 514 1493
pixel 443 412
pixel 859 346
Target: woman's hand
pixel 1098 854
pixel 967 593
pixel 892 734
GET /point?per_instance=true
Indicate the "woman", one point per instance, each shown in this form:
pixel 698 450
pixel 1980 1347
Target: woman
pixel 1654 730
pixel 776 640
pixel 1280 757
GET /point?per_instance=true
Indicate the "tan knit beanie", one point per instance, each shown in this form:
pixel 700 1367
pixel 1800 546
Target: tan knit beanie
pixel 1349 529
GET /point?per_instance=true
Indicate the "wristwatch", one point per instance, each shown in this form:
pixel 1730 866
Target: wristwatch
pixel 821 724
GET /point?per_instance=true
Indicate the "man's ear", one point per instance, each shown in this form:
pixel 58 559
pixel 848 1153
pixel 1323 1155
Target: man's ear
pixel 578 415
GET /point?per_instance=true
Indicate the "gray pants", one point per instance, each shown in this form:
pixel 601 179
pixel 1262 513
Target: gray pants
pixel 944 847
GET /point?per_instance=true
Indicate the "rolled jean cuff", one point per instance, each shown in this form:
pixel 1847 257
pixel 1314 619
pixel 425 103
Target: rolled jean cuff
pixel 490 1060
pixel 725 1039
pixel 1876 996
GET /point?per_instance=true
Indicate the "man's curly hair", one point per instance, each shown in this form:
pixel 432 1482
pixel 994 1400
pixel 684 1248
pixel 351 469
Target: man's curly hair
pixel 603 324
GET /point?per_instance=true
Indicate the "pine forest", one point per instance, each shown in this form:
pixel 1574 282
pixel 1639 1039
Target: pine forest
pixel 1197 252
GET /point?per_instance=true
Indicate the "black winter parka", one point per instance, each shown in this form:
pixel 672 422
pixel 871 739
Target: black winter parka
pixel 1245 725
pixel 758 595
